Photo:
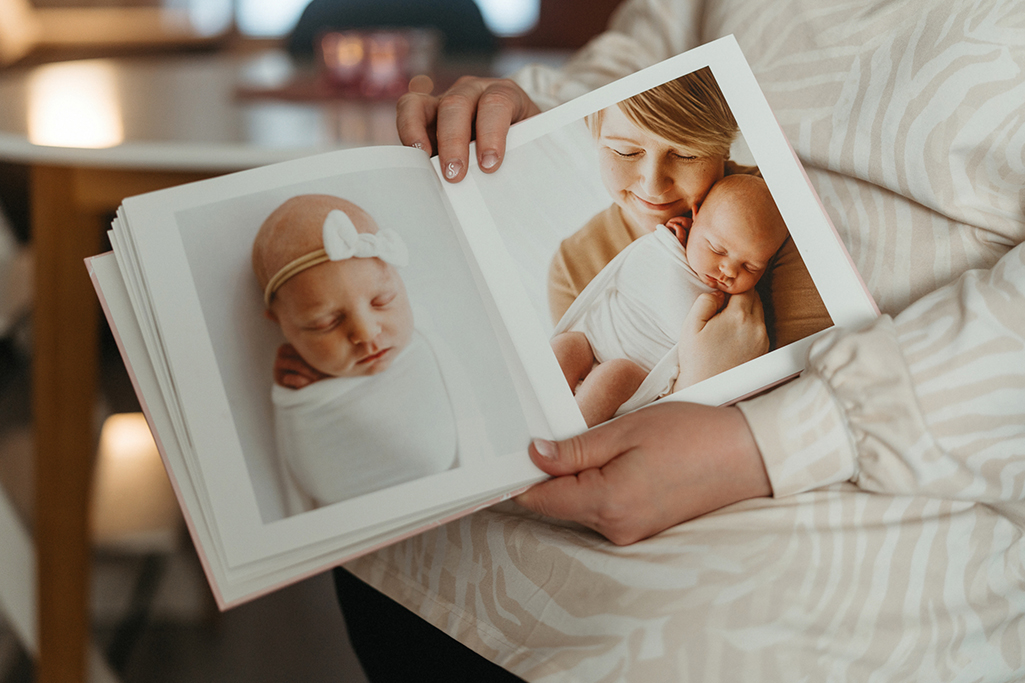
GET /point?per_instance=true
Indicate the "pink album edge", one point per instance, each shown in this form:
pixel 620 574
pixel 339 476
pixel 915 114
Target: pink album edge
pixel 762 390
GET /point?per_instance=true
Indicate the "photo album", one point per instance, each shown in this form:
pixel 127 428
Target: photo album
pixel 338 352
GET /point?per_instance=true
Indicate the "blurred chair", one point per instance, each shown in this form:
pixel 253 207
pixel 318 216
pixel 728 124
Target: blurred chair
pixel 459 21
pixel 25 29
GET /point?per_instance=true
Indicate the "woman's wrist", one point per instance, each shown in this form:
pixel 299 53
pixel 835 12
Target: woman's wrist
pixel 743 458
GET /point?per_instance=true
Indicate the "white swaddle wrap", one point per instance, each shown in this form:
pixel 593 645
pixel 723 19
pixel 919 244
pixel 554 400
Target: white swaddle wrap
pixel 635 308
pixel 346 436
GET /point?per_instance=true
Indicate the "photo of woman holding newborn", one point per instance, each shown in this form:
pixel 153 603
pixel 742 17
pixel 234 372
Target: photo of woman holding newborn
pixel 663 155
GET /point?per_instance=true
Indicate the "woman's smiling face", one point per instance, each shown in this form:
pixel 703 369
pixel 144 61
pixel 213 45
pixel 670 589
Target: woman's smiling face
pixel 651 179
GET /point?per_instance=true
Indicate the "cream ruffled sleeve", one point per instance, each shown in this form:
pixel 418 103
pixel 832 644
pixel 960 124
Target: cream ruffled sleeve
pixel 930 402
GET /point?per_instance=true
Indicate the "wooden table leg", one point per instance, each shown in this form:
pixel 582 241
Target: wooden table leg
pixel 64 399
pixel 70 207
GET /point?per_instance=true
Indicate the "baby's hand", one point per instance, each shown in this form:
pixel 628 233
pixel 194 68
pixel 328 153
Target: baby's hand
pixel 680 225
pixel 716 337
pixel 291 371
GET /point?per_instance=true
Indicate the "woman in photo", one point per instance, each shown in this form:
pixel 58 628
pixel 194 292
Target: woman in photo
pixel 660 152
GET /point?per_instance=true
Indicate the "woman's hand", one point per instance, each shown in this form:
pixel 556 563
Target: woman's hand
pixel 646 471
pixel 446 124
pixel 716 337
pixel 291 371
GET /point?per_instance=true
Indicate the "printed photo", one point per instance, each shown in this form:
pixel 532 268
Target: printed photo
pixel 669 224
pixel 355 348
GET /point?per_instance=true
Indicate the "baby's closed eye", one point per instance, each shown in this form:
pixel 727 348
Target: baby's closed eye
pixel 324 324
pixel 384 299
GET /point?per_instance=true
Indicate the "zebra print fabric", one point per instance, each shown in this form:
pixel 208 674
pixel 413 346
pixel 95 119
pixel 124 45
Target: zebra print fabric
pixel 893 549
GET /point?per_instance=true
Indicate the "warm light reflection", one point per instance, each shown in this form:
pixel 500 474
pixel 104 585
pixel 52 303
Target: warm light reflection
pixel 74 104
pixel 133 504
pixel 345 51
pixel 126 438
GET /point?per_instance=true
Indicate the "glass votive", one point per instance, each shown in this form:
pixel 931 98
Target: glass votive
pixel 377 64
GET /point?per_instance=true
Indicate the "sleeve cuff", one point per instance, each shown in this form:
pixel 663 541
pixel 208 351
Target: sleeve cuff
pixel 854 415
pixel 800 431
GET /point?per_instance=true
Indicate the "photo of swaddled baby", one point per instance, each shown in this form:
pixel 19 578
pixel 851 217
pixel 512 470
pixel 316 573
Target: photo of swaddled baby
pixel 702 231
pixel 692 244
pixel 629 319
pixel 358 356
pixel 362 399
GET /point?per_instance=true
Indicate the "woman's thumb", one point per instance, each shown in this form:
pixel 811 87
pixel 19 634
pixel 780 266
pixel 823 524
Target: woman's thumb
pixel 592 448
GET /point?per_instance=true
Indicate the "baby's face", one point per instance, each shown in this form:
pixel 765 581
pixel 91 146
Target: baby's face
pixel 346 318
pixel 728 253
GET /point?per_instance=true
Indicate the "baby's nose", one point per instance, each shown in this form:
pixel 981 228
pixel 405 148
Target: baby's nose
pixel 363 331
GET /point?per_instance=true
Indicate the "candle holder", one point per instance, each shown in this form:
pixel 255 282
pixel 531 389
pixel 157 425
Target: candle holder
pixel 378 63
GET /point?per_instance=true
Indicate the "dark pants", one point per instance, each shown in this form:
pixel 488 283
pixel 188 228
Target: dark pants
pixel 393 644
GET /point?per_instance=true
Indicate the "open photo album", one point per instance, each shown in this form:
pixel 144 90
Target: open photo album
pixel 337 352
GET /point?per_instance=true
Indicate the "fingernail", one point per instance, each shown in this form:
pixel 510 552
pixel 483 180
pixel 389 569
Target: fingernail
pixel 546 449
pixel 417 145
pixel 452 169
pixel 488 161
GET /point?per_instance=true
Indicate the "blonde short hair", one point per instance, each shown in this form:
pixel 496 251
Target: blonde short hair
pixel 689 112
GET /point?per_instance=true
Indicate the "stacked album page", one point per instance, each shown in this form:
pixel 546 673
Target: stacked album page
pixel 337 352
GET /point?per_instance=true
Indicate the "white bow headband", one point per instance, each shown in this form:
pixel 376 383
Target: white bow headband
pixel 342 241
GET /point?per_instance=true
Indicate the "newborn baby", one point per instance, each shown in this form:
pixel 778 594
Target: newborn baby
pixel 629 319
pixel 384 414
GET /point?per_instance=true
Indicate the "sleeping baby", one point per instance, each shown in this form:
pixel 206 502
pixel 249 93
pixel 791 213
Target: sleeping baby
pixel 617 343
pixel 385 411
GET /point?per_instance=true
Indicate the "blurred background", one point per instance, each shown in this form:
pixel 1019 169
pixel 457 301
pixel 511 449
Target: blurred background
pixel 132 95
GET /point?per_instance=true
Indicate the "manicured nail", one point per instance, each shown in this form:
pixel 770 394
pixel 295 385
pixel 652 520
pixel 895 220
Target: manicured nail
pixel 546 449
pixel 452 169
pixel 488 161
